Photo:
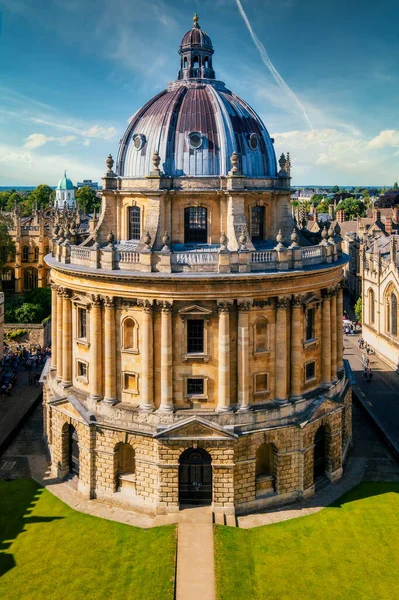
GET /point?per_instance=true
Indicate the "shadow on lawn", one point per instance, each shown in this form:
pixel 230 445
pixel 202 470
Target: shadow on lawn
pixel 366 489
pixel 17 500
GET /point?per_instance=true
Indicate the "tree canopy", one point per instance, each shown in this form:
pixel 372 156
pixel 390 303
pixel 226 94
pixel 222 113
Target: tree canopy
pixel 87 200
pixel 7 246
pixel 353 207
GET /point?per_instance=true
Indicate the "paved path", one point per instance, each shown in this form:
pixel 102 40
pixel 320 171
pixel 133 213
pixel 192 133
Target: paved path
pixel 381 396
pixel 195 578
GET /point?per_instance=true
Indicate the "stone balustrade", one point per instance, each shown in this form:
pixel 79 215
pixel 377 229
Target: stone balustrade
pixel 216 260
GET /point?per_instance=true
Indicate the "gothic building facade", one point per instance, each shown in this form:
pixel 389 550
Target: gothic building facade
pixel 197 346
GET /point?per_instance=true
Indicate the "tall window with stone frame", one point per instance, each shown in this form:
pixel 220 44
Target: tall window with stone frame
pixel 82 323
pixel 195 336
pixel 25 254
pixel 195 225
pixel 257 223
pixel 310 320
pixel 36 253
pixel 371 307
pixel 261 332
pixel 134 214
pixel 394 315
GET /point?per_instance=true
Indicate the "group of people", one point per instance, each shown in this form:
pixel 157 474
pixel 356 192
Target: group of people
pixel 31 359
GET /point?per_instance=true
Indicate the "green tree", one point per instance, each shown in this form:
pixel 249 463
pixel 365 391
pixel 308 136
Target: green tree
pixel 383 190
pixel 29 313
pixel 353 207
pixel 87 200
pixel 323 206
pixel 335 189
pixel 359 309
pixel 40 195
pixel 395 186
pixel 13 199
pixel 7 246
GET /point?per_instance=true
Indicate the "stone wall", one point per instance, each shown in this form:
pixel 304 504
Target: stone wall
pixel 36 334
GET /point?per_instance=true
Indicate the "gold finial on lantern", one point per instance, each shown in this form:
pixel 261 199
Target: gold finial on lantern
pixel 196 19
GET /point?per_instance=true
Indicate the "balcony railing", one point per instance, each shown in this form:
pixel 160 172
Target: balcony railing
pixel 216 260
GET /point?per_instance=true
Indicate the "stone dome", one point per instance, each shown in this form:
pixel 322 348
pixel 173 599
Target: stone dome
pixel 196 124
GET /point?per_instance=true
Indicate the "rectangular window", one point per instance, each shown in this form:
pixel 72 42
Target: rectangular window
pixel 195 387
pixel 195 336
pixel 82 323
pixel 257 223
pixel 36 253
pixel 25 254
pixel 130 383
pixel 310 371
pixel 310 324
pixel 195 225
pixel 261 382
pixel 82 370
pixel 134 223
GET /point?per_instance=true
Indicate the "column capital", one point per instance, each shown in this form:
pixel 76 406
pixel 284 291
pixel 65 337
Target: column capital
pixel 261 303
pixel 109 302
pixel 283 301
pixel 244 305
pixel 146 305
pixel 96 300
pixel 224 306
pixel 297 300
pixel 166 306
pixel 65 293
pixel 327 293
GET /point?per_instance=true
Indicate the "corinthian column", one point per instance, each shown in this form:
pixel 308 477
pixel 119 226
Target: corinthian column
pixel 296 347
pixel 340 334
pixel 147 365
pixel 53 326
pixel 326 338
pixel 96 354
pixel 334 336
pixel 243 354
pixel 59 331
pixel 66 338
pixel 224 357
pixel 166 357
pixel 109 351
pixel 282 306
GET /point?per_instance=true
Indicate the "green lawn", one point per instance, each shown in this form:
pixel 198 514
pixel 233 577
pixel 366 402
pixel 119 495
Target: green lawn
pixel 349 550
pixel 49 551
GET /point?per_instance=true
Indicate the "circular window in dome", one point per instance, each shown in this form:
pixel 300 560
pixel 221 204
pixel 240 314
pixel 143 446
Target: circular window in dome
pixel 138 141
pixel 253 141
pixel 195 139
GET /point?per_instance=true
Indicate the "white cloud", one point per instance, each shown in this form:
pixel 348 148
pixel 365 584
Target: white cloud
pixel 385 139
pixel 97 131
pixel 35 140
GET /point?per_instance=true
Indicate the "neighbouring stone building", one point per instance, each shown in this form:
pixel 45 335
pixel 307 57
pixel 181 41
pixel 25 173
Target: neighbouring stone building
pixel 197 346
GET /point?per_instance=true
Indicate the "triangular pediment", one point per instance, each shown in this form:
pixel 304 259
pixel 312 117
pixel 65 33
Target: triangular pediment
pixel 77 299
pixel 195 428
pixel 74 408
pixel 194 310
pixel 319 409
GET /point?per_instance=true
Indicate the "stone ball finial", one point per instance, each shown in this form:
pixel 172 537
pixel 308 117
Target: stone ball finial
pixel 110 163
pixel 337 229
pixel 242 240
pixel 234 159
pixel 279 237
pixel 294 238
pixel 331 233
pixel 166 241
pixel 110 238
pixel 324 233
pixel 223 241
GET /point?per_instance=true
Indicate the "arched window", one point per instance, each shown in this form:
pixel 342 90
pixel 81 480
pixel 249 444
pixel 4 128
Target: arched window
pixel 30 278
pixel 394 314
pixel 124 467
pixel 195 225
pixel 134 223
pixel 262 335
pixel 371 307
pixel 206 62
pixel 257 223
pixel 73 451
pixel 129 334
pixel 8 279
pixel 195 61
pixel 265 470
pixel 185 63
pixel 388 316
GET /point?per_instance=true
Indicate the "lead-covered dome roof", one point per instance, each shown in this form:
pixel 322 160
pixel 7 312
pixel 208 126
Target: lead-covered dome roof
pixel 196 124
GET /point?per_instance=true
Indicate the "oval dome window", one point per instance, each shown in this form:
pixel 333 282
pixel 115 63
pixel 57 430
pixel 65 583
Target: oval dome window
pixel 139 141
pixel 253 141
pixel 195 140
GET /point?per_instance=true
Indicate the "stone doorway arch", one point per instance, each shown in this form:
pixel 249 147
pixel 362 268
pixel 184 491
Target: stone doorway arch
pixel 195 477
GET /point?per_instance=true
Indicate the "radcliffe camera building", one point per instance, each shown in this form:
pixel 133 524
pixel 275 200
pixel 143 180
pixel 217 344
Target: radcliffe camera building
pixel 197 342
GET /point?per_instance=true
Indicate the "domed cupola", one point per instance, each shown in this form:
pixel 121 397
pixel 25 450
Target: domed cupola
pixel 196 52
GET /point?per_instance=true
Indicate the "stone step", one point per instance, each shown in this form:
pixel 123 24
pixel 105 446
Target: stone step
pixel 231 520
pixel 218 518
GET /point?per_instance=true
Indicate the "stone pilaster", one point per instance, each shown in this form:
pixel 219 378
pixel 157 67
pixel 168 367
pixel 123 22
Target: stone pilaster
pixel 297 375
pixel 96 354
pixel 147 356
pixel 243 307
pixel 326 338
pixel 224 357
pixel 166 357
pixel 66 338
pixel 340 335
pixel 334 336
pixel 282 307
pixel 54 305
pixel 109 351
pixel 59 336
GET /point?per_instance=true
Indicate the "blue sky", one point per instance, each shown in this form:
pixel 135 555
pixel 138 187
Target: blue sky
pixel 74 71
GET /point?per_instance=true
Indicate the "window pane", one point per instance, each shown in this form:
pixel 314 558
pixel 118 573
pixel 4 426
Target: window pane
pixel 134 223
pixel 261 382
pixel 195 387
pixel 310 370
pixel 257 221
pixel 195 335
pixel 310 317
pixel 82 322
pixel 195 225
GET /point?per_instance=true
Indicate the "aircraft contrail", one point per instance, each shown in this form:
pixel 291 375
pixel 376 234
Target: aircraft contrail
pixel 268 63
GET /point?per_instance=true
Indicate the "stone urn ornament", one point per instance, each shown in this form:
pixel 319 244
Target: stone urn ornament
pixel 223 241
pixel 110 239
pixel 279 240
pixel 156 161
pixel 324 234
pixel 242 240
pixel 110 163
pixel 165 242
pixel 147 240
pixel 235 160
pixel 294 239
